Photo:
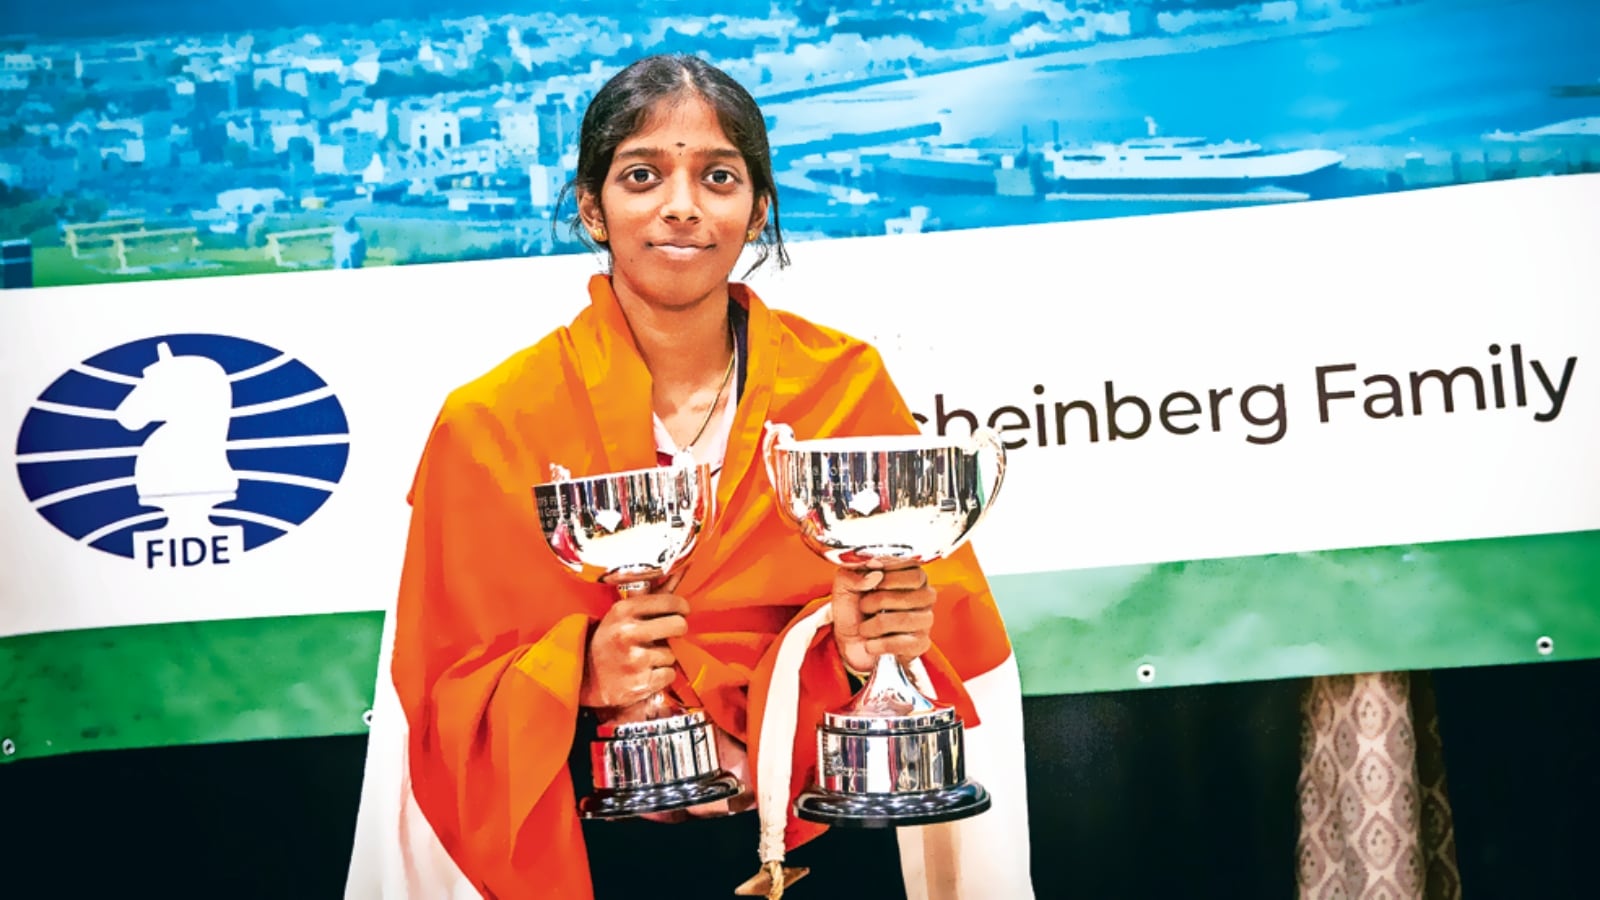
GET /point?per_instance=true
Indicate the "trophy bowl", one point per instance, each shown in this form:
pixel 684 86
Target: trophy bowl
pixel 891 756
pixel 631 530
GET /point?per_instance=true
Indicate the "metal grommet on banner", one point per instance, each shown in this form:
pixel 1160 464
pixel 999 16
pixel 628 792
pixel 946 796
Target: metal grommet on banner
pixel 1147 673
pixel 366 718
pixel 8 747
pixel 1546 645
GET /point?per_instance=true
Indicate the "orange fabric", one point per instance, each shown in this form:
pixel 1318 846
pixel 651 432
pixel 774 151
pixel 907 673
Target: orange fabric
pixel 491 632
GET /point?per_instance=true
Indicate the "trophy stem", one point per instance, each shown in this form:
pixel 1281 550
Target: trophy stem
pixel 659 705
pixel 888 692
pixel 889 675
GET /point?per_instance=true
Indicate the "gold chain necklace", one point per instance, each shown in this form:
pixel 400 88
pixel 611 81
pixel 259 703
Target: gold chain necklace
pixel 717 401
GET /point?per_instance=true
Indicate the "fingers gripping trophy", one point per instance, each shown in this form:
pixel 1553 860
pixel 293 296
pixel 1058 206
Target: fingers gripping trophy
pixel 634 530
pixel 891 756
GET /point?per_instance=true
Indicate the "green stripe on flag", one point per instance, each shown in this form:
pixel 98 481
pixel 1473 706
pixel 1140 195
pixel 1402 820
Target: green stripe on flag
pixel 1437 605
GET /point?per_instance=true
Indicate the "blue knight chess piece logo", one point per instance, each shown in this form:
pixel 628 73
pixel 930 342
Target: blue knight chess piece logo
pixel 183 450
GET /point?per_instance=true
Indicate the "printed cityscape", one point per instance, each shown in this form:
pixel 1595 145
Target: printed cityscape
pixel 132 146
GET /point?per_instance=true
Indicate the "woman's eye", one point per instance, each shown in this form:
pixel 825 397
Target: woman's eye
pixel 637 176
pixel 723 177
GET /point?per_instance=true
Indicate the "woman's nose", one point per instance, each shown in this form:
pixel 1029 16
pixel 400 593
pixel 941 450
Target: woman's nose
pixel 680 202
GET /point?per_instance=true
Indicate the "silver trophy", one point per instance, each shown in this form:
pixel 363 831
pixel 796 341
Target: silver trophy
pixel 890 757
pixel 632 530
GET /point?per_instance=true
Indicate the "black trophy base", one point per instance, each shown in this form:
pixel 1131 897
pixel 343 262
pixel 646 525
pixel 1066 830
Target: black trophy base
pixel 892 810
pixel 623 803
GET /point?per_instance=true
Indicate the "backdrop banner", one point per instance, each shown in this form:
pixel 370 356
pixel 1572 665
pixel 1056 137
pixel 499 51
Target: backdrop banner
pixel 1247 443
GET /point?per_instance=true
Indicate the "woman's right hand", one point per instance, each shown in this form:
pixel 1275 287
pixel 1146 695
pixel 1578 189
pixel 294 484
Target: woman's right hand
pixel 628 659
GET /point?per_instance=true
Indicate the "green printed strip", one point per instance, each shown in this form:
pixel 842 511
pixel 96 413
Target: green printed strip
pixel 187 683
pixel 1379 609
pixel 1286 615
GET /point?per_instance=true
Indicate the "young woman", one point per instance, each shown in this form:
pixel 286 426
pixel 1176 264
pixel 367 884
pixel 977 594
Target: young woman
pixel 503 662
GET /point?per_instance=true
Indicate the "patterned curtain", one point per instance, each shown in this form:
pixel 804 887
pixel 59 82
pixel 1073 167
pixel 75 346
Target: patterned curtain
pixel 1375 820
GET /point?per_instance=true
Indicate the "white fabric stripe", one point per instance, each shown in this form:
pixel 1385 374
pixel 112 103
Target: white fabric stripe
pixel 782 708
pixel 396 855
pixel 986 856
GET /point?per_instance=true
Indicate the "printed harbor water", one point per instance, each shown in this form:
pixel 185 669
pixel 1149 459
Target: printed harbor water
pixel 1440 71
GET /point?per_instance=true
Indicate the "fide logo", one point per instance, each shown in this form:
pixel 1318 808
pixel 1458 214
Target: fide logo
pixel 184 450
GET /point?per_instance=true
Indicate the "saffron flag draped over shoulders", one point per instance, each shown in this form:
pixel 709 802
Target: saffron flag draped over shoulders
pixel 491 634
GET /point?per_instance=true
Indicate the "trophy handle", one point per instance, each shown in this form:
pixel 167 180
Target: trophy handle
pixel 769 441
pixel 987 439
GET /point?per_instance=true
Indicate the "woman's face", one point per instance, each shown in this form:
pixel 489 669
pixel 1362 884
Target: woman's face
pixel 676 207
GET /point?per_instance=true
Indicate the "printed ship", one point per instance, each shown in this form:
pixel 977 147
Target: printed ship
pixel 1145 167
pixel 1182 165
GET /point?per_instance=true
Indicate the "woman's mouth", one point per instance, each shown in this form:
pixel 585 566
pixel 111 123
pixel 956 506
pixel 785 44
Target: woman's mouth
pixel 680 251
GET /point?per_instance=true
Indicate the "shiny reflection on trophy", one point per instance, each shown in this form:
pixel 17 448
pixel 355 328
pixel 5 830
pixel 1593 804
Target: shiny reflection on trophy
pixel 891 756
pixel 632 530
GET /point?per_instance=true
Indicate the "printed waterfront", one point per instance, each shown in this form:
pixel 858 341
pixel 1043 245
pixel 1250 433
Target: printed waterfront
pixel 297 161
pixel 1414 97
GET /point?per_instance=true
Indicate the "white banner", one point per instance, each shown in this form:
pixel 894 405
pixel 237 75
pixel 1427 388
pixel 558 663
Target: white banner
pixel 1399 368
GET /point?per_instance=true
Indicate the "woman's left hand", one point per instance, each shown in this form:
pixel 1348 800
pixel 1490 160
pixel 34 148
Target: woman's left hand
pixel 881 611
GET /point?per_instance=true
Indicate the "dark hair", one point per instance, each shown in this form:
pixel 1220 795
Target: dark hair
pixel 620 108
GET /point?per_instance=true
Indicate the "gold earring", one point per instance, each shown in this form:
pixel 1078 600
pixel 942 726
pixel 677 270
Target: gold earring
pixel 750 236
pixel 599 235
